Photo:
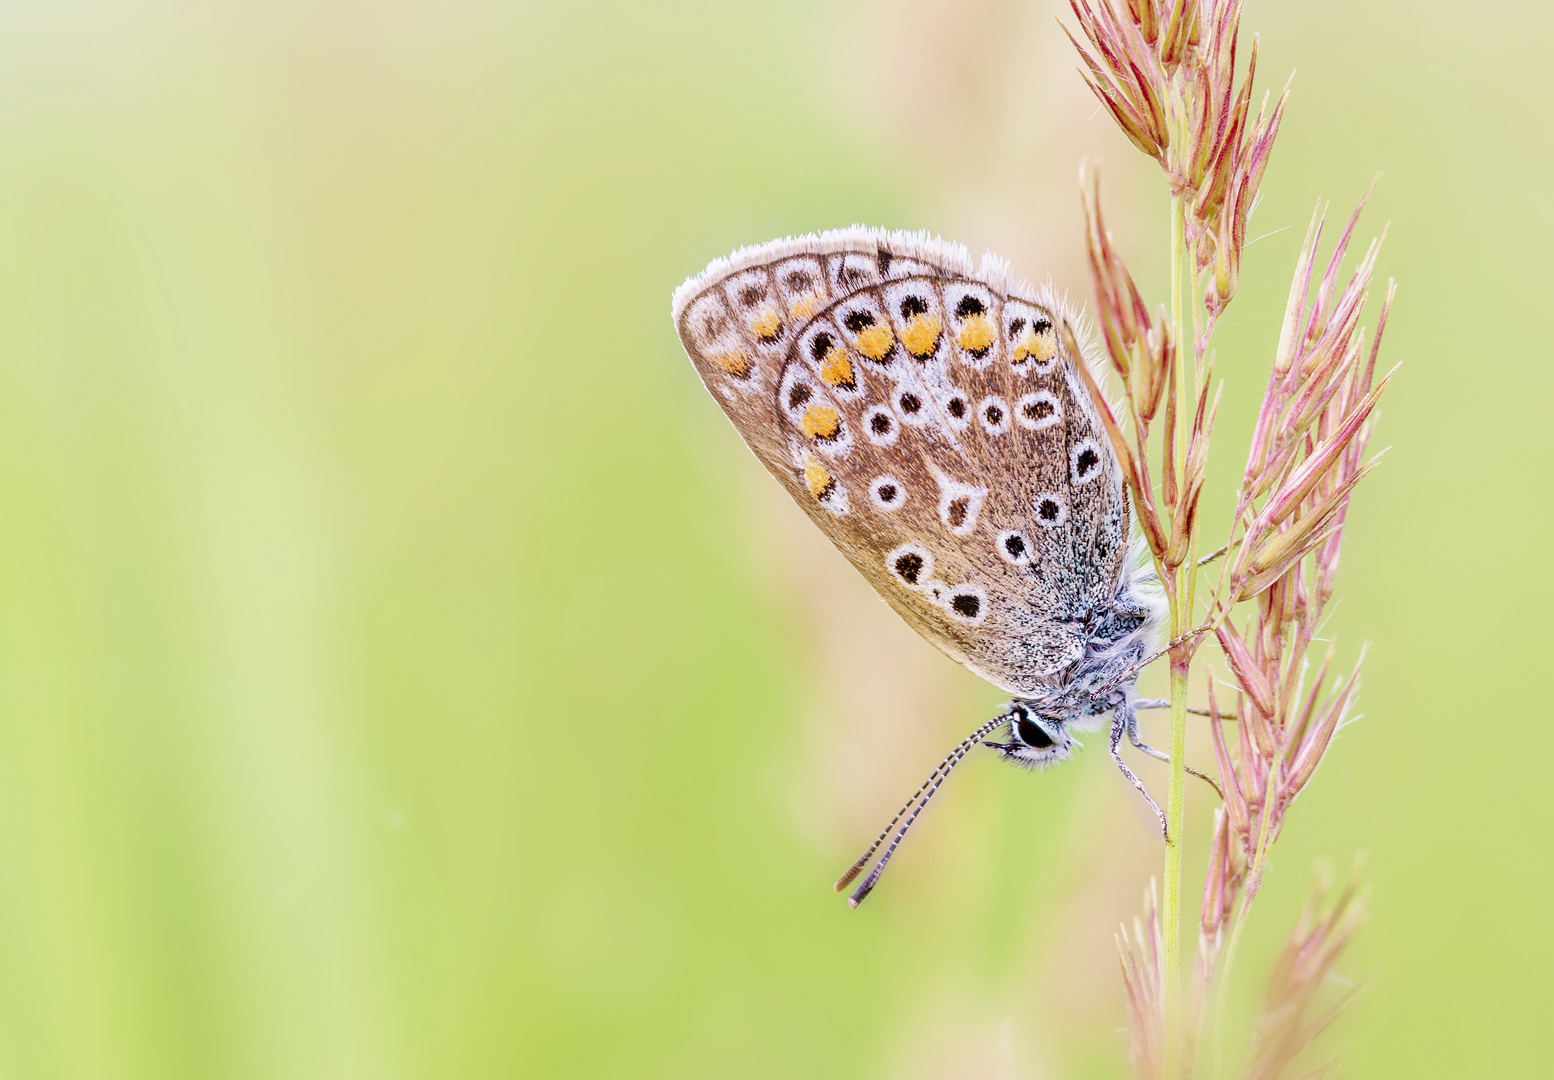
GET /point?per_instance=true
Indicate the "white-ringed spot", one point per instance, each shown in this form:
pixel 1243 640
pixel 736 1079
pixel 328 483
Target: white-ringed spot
pixel 993 414
pixel 959 505
pixel 958 411
pixel 911 565
pixel 1049 510
pixel 880 425
pixel 1086 460
pixel 887 493
pixel 912 409
pixel 1013 548
pixel 1037 410
pixel 966 604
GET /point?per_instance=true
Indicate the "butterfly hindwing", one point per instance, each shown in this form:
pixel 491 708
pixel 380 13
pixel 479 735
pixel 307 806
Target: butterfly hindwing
pixel 925 415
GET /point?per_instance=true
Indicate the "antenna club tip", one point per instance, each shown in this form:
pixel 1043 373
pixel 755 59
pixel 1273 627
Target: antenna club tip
pixel 853 902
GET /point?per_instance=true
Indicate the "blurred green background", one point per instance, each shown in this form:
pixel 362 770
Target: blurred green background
pixel 405 672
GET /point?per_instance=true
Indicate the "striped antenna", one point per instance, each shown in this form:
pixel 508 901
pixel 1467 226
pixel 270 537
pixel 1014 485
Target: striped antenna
pixel 915 804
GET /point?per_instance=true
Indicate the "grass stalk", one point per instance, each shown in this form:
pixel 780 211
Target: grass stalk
pixel 1181 615
pixel 1254 877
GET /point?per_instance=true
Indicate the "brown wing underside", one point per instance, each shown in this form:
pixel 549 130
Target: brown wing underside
pixel 932 426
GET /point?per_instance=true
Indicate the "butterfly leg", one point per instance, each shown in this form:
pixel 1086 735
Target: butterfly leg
pixel 1164 703
pixel 1160 755
pixel 1123 719
pixel 1133 730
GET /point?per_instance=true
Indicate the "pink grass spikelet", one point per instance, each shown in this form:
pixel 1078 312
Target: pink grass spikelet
pixel 1167 74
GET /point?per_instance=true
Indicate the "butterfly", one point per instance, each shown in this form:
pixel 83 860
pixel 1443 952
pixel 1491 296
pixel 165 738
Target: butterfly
pixel 930 417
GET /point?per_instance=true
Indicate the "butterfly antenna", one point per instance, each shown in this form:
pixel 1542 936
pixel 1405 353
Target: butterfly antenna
pixel 965 744
pixel 915 804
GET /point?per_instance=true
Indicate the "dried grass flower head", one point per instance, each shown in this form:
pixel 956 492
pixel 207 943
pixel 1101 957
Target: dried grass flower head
pixel 1167 73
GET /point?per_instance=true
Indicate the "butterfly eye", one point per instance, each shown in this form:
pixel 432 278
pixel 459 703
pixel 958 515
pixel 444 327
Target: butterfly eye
pixel 1032 734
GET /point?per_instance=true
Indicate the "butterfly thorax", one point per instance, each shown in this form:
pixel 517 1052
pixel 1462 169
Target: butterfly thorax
pixel 1117 639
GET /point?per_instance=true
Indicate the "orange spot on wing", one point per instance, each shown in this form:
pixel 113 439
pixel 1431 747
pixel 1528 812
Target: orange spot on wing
pixel 767 325
pixel 976 333
pixel 817 479
pixel 1039 347
pixel 821 422
pixel 875 341
pixel 921 335
pixel 804 307
pixel 736 362
pixel 836 369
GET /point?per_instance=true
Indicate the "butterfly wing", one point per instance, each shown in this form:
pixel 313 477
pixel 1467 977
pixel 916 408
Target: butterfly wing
pixel 926 415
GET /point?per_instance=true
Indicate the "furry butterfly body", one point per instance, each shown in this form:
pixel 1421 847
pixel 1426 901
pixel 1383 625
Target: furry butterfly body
pixel 930 417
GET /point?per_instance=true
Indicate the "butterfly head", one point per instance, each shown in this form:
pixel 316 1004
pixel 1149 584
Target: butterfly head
pixel 1035 741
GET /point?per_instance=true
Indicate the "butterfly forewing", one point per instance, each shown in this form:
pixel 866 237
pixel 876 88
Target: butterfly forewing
pixel 925 415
